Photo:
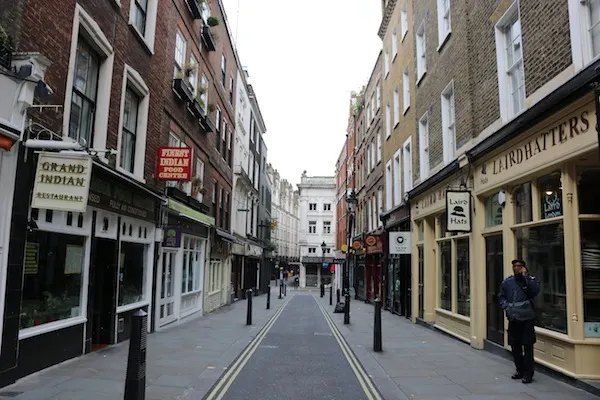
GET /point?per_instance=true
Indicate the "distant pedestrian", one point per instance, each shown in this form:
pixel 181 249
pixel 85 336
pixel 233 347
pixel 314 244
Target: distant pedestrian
pixel 516 299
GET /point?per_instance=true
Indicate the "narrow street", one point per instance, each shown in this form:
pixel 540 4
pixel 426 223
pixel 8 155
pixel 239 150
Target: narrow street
pixel 298 358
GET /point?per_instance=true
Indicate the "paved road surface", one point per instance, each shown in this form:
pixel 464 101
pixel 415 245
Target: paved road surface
pixel 298 358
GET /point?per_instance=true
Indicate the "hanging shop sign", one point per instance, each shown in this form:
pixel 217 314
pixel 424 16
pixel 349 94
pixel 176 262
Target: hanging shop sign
pixel 458 211
pixel 374 244
pixel 172 237
pixel 400 243
pixel 62 182
pixel 174 164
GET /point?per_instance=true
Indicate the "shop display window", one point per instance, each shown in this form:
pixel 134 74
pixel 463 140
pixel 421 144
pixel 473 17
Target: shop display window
pixel 463 305
pixel 523 204
pixel 446 275
pixel 132 273
pixel 589 228
pixel 52 280
pixel 192 262
pixel 493 212
pixel 550 189
pixel 542 247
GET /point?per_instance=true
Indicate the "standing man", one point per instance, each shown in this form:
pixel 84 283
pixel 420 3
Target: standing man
pixel 516 299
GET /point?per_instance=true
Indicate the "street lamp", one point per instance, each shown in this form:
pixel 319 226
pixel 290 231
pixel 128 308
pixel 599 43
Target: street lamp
pixel 352 201
pixel 323 247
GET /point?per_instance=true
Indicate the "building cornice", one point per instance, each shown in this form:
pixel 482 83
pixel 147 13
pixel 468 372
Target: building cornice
pixel 387 16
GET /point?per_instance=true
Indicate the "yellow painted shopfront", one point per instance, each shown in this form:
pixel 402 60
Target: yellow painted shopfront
pixel 536 198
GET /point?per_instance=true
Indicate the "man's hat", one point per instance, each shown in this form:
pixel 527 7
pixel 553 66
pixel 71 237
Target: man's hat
pixel 520 262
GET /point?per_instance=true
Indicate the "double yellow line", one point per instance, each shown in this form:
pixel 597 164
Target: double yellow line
pixel 362 376
pixel 225 382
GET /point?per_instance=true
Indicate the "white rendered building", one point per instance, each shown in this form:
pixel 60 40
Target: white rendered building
pixel 317 226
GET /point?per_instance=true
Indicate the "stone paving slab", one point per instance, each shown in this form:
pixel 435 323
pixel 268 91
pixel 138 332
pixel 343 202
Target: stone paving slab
pixel 427 365
pixel 183 362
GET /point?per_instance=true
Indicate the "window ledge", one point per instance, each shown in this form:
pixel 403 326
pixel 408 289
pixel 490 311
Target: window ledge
pixel 142 39
pixel 420 78
pixel 131 175
pixel 406 110
pixel 132 306
pixel 444 41
pixel 404 34
pixel 214 292
pixel 50 327
pixel 117 3
pixel 396 125
pixel 187 294
pixel 452 315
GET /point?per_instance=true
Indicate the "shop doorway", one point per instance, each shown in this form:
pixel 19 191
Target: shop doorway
pixel 104 283
pixel 421 282
pixel 166 287
pixel 494 277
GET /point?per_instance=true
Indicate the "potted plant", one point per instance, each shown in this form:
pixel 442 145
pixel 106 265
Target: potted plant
pixel 196 107
pixel 212 21
pixel 188 68
pixel 211 108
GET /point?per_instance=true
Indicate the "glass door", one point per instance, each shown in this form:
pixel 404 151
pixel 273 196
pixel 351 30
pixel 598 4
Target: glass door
pixel 166 282
pixel 494 277
pixel 421 282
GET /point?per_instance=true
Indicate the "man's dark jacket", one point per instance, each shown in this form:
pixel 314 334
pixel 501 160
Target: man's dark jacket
pixel 527 287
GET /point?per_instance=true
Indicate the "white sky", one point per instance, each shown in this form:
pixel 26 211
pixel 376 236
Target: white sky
pixel 304 59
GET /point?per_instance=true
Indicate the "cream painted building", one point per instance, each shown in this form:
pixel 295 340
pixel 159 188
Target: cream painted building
pixel 285 208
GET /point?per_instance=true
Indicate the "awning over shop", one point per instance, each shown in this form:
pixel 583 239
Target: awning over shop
pixel 184 211
pixel 225 235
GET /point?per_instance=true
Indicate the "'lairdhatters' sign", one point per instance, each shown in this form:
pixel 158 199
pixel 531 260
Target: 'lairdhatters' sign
pixel 62 182
pixel 458 211
pixel 174 164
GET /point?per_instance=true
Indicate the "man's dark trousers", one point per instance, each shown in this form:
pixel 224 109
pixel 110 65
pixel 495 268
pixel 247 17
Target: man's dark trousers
pixel 521 337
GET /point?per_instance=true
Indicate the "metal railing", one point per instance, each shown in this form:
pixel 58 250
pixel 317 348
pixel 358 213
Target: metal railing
pixel 5 55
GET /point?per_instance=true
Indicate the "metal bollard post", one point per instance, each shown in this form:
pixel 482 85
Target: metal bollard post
pixel 269 298
pixel 347 309
pixel 322 289
pixel 285 289
pixel 249 311
pixel 281 291
pixel 135 380
pixel 330 295
pixel 377 345
pixel 337 294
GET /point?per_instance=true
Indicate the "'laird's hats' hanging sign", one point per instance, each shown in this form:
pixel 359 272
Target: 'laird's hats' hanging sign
pixel 458 211
pixel 62 182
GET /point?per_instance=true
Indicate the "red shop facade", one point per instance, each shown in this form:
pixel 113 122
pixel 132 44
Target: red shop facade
pixel 375 246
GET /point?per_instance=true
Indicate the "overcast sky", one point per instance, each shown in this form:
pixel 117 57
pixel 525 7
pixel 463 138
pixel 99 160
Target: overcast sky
pixel 304 59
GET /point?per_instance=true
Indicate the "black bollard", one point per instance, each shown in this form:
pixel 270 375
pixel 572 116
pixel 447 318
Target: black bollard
pixel 330 295
pixel 347 308
pixel 269 298
pixel 322 289
pixel 284 289
pixel 337 295
pixel 281 291
pixel 377 345
pixel 135 380
pixel 249 311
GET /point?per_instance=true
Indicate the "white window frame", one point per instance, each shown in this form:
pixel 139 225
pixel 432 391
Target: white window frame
pixel 397 176
pixel 180 52
pixel 504 85
pixel 407 159
pixel 581 41
pixel 386 64
pixel 405 90
pixel 326 227
pixel 133 80
pixel 424 150
pixel 147 37
pixel 373 155
pixel 421 47
pixel 200 168
pixel 394 45
pixel 404 19
pixel 444 17
pixel 449 122
pixel 83 22
pixel 379 206
pixel 378 95
pixel 396 106
pixel 379 146
pixel 312 227
pixel 389 179
pixel 388 122
pixel 193 78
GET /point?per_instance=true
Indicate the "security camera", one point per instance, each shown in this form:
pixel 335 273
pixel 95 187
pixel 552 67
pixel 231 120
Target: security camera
pixel 42 90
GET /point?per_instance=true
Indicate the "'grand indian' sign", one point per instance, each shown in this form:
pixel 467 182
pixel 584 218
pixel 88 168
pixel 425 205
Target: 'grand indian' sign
pixel 62 182
pixel 555 143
